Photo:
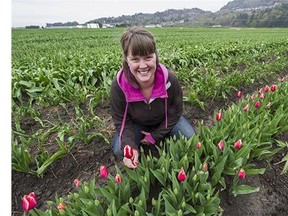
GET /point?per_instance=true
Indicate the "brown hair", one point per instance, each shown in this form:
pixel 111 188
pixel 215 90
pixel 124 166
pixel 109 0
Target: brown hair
pixel 140 42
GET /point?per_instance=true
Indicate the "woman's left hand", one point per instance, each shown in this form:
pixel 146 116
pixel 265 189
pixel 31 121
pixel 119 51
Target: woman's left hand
pixel 144 141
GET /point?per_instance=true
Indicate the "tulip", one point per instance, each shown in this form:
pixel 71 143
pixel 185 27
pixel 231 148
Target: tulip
pixel 181 175
pixel 77 183
pixel 268 105
pixel 260 91
pixel 61 206
pixel 218 116
pixel 198 145
pixel 239 94
pixel 29 201
pixel 242 174
pixel 103 171
pixel 252 97
pixel 205 167
pixel 257 104
pixel 281 79
pixel 262 95
pixel 238 144
pixel 221 145
pixel 118 179
pixel 246 108
pixel 273 88
pixel 128 151
pixel 266 89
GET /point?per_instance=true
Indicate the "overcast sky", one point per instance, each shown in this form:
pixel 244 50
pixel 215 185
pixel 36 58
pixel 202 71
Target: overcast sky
pixel 40 12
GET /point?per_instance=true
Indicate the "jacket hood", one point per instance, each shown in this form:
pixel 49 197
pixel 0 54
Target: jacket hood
pixel 133 94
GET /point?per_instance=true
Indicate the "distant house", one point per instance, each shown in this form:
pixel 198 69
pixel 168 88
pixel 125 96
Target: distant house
pixel 108 26
pixel 93 25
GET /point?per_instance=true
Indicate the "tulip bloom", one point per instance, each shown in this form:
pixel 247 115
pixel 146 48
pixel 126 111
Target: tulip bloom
pixel 273 88
pixel 281 79
pixel 29 201
pixel 242 174
pixel 118 179
pixel 181 175
pixel 128 151
pixel 238 144
pixel 218 116
pixel 239 94
pixel 61 206
pixel 262 96
pixel 198 145
pixel 77 183
pixel 205 167
pixel 257 104
pixel 221 145
pixel 266 89
pixel 246 108
pixel 103 171
pixel 252 97
pixel 260 91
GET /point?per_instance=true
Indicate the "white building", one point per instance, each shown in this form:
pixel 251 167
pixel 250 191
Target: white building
pixel 93 25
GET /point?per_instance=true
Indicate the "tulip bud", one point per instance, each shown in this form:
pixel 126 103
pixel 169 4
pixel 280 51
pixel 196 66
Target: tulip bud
pixel 221 145
pixel 257 104
pixel 179 213
pixel 252 97
pixel 238 144
pixel 154 202
pixel 260 91
pixel 181 175
pixel 61 206
pixel 218 116
pixel 97 202
pixel 163 170
pixel 239 94
pixel 281 79
pixel 77 183
pixel 241 174
pixel 29 201
pixel 273 88
pixel 86 189
pixel 131 200
pixel 175 191
pixel 198 145
pixel 183 204
pixel 262 96
pixel 246 108
pixel 118 179
pixel 268 105
pixel 266 89
pixel 128 151
pixel 205 167
pixel 136 213
pixel 103 171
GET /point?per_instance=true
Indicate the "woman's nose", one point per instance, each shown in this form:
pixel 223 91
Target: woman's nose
pixel 142 63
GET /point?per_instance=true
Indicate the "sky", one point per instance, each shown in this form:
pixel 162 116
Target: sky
pixel 40 12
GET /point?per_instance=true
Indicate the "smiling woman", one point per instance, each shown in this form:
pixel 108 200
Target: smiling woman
pixel 146 99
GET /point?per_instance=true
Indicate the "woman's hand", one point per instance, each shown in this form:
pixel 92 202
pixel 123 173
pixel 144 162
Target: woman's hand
pixel 132 162
pixel 144 141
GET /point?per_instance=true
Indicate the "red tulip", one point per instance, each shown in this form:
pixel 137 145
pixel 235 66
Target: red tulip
pixel 103 171
pixel 218 116
pixel 181 175
pixel 61 206
pixel 242 174
pixel 246 108
pixel 128 151
pixel 198 145
pixel 238 144
pixel 266 89
pixel 273 88
pixel 239 94
pixel 257 104
pixel 118 179
pixel 221 145
pixel 77 183
pixel 29 201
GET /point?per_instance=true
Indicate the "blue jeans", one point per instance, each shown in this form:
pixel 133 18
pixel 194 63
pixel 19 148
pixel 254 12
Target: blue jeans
pixel 182 127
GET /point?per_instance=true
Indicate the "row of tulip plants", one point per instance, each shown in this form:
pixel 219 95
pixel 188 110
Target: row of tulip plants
pixel 187 175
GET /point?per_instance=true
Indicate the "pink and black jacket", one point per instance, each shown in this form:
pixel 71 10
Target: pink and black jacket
pixel 129 106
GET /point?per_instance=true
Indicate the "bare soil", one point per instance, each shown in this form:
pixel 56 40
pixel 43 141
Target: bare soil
pixel 84 162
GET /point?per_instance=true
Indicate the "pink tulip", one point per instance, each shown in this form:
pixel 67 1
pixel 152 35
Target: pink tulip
pixel 198 145
pixel 257 104
pixel 261 95
pixel 252 97
pixel 77 183
pixel 221 145
pixel 266 89
pixel 242 174
pixel 118 179
pixel 128 151
pixel 246 108
pixel 218 116
pixel 281 79
pixel 273 88
pixel 260 91
pixel 29 201
pixel 61 206
pixel 205 167
pixel 239 94
pixel 238 144
pixel 181 175
pixel 103 171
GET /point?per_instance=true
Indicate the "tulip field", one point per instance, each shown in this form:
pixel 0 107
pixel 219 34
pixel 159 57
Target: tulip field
pixel 235 89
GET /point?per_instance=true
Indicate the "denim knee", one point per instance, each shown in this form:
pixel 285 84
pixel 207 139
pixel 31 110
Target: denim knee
pixel 182 127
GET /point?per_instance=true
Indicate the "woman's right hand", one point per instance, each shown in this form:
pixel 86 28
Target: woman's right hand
pixel 132 162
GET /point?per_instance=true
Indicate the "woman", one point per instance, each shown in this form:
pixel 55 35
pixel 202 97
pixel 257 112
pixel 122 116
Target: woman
pixel 146 99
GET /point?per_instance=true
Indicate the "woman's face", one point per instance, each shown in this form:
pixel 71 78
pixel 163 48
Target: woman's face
pixel 142 67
